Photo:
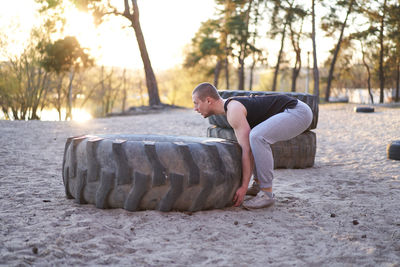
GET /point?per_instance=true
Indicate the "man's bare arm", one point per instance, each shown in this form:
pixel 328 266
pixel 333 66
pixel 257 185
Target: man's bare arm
pixel 236 116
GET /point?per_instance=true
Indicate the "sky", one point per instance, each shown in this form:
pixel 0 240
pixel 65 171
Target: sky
pixel 168 26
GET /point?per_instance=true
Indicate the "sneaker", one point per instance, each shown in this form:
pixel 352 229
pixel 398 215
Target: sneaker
pixel 253 189
pixel 262 200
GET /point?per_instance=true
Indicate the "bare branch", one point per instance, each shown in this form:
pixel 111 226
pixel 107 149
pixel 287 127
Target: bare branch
pixel 127 12
pixel 135 9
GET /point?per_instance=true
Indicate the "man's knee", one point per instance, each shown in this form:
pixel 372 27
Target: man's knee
pixel 256 139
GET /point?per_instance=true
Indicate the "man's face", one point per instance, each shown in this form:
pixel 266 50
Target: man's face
pixel 201 107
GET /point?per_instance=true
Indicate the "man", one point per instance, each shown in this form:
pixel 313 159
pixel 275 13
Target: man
pixel 258 122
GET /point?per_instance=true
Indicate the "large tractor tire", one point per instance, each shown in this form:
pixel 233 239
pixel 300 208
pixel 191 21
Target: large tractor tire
pixel 296 153
pixel 143 172
pixel 310 100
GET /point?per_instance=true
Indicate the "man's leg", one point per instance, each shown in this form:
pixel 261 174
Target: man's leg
pixel 263 160
pixel 283 126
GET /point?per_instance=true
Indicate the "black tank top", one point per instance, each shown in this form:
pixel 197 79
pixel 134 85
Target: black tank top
pixel 260 108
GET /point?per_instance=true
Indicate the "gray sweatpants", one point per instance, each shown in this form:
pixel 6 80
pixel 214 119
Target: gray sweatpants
pixel 280 127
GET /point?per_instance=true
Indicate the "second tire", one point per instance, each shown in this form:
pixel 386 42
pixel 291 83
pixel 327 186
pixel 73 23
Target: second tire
pixel 298 152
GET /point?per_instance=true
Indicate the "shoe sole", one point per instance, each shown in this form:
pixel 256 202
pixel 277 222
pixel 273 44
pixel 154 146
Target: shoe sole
pixel 248 208
pixel 252 193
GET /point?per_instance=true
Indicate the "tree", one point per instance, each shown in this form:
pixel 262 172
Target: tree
pixel 394 37
pixel 226 37
pixel 207 50
pixel 279 26
pixel 239 26
pixel 25 82
pixel 296 14
pixel 235 17
pixel 100 9
pixel 315 65
pixel 132 14
pixel 376 13
pixel 9 89
pixel 61 57
pixel 109 91
pixel 124 91
pixel 287 18
pixel 363 38
pixel 368 71
pixel 257 55
pixel 226 9
pixel 330 24
pixel 382 51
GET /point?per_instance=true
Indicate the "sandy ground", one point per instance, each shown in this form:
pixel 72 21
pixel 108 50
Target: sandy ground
pixel 342 212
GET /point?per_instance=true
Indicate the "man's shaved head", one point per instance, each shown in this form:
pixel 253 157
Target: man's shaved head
pixel 204 90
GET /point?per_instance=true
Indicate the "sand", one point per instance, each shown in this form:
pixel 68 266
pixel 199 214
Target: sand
pixel 343 211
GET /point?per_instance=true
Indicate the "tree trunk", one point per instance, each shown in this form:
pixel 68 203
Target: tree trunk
pixel 30 88
pixel 68 114
pixel 241 74
pixel 217 71
pixel 15 114
pixel 46 90
pixel 315 68
pixel 227 71
pixel 254 53
pixel 124 93
pixel 278 62
pixel 243 48
pixel 224 41
pixel 151 81
pixel 34 115
pixel 41 88
pixel 296 69
pixel 141 92
pixel 295 74
pixel 23 110
pixel 35 93
pixel 58 104
pixel 297 50
pixel 336 53
pixel 110 99
pixel 253 65
pixel 5 112
pixel 368 72
pixel 103 92
pixel 381 54
pixel 397 82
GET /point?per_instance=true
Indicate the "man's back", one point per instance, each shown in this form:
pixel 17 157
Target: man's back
pixel 260 108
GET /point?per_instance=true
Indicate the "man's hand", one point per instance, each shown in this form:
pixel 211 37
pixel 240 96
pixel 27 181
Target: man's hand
pixel 239 196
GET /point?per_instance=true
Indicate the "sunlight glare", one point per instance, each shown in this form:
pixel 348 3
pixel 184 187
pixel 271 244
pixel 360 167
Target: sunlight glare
pixel 81 115
pixel 78 115
pixel 107 43
pixel 80 24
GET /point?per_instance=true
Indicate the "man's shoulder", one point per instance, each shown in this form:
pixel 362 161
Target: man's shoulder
pixel 234 105
pixel 236 112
